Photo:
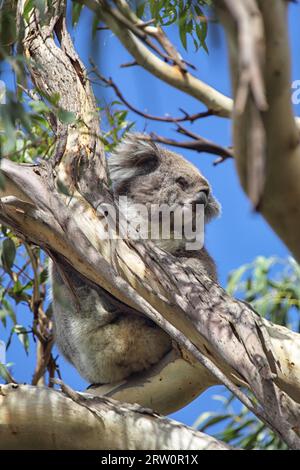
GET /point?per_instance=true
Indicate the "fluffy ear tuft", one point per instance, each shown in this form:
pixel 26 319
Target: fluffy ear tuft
pixel 133 157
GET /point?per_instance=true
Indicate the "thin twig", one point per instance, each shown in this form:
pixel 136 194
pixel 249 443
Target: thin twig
pixel 200 145
pixel 133 63
pixel 187 117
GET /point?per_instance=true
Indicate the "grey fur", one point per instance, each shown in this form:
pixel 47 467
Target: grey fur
pixel 104 341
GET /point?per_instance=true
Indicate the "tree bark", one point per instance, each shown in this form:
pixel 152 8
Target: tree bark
pixel 275 126
pixel 40 418
pixel 218 339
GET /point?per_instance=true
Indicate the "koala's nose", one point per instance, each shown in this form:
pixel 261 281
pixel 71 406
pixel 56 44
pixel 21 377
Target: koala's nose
pixel 202 197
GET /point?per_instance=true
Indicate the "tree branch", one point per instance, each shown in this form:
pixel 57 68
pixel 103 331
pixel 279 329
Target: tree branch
pixel 58 417
pixel 154 31
pixel 219 103
pixel 186 117
pixel 199 145
pixel 276 174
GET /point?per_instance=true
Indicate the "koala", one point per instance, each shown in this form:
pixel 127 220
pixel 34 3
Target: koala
pixel 103 340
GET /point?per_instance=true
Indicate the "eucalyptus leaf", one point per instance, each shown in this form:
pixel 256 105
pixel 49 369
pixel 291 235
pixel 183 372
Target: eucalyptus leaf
pixel 8 253
pixel 76 11
pixel 67 117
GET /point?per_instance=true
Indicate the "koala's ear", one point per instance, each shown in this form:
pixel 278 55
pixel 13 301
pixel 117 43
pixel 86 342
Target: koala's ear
pixel 133 157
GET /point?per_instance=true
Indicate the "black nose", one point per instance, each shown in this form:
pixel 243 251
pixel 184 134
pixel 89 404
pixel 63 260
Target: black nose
pixel 202 197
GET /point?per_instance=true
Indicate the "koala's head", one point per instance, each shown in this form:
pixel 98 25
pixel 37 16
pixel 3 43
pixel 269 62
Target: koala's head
pixel 150 174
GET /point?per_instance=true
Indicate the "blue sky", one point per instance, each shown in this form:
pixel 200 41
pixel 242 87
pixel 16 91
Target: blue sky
pixel 239 235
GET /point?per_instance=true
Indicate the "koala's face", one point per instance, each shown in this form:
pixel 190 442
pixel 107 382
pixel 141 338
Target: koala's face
pixel 149 174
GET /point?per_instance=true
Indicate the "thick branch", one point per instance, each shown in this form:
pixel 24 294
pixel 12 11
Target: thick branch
pixel 83 422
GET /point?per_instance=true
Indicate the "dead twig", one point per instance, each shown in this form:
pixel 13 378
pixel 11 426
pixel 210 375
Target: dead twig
pixel 199 145
pixel 186 117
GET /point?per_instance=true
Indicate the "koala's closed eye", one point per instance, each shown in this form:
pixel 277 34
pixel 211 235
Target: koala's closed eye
pixel 182 182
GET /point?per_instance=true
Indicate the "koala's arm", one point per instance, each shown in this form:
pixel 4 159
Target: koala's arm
pixel 103 341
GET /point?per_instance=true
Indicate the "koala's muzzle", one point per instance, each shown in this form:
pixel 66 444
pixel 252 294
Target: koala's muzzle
pixel 201 197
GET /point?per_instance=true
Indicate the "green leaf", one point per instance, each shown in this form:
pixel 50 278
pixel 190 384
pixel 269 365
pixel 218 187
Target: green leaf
pixel 8 253
pixel 183 32
pixel 22 334
pixel 76 10
pixel 201 32
pixel 3 315
pixel 9 130
pixel 4 373
pixel 9 310
pixel 39 106
pixel 95 24
pixel 8 34
pixel 214 420
pixel 29 5
pixel 67 117
pixel 41 6
pixel 195 44
pixel 234 278
pixel 43 276
pixel 140 9
pixel 17 292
